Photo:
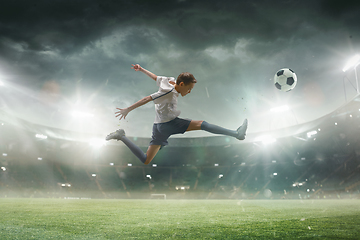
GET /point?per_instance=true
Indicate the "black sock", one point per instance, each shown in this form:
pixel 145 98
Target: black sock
pixel 134 148
pixel 217 129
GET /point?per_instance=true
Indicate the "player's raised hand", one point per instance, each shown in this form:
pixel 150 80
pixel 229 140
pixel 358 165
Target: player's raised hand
pixel 136 67
pixel 122 112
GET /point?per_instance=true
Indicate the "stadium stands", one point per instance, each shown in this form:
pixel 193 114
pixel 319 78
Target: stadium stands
pixel 320 162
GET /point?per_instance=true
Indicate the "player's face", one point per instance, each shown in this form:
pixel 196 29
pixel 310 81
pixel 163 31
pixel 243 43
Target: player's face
pixel 186 89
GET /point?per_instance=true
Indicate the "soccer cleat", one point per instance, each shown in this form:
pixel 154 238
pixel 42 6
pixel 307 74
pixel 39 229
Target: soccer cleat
pixel 242 130
pixel 117 135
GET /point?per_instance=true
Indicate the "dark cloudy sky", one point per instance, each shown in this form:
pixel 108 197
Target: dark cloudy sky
pixel 60 56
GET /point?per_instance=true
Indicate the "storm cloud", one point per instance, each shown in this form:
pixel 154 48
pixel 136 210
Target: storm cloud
pixel 68 54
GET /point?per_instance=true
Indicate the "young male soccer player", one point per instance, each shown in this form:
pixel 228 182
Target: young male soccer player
pixel 167 122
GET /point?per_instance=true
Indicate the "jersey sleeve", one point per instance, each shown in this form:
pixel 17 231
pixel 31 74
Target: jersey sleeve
pixel 159 79
pixel 163 85
pixel 156 95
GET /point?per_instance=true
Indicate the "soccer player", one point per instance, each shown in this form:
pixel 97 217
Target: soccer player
pixel 167 121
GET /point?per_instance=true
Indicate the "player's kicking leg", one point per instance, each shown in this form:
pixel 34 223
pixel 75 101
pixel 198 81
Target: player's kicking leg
pixel 144 158
pixel 240 133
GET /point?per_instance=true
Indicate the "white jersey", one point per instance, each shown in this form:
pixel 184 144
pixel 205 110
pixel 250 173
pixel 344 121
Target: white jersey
pixel 165 100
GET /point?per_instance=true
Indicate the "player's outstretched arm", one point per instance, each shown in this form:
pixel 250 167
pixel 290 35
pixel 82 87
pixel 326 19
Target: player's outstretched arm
pixel 137 68
pixel 123 112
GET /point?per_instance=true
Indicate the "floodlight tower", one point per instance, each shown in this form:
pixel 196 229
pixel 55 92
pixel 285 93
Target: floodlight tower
pixel 353 63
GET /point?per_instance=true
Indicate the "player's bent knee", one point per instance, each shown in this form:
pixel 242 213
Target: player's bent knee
pixel 194 125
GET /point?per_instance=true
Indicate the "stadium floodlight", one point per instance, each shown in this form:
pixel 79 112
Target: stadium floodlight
pixel 353 62
pixel 154 165
pixel 41 136
pixel 129 164
pixel 280 109
pixel 274 174
pixel 216 164
pixel 93 175
pixel 311 133
pixel 40 159
pixel 111 164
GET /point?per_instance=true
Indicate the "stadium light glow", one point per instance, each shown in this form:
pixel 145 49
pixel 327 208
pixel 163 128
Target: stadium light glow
pixel 93 175
pixel 274 174
pixel 154 165
pixel 353 62
pixel 129 164
pixel 265 139
pixel 4 154
pixel 40 159
pixel 97 143
pixel 78 114
pixel 280 109
pixel 216 164
pixel 111 164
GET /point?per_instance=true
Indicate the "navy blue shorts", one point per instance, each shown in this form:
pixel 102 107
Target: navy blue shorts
pixel 162 131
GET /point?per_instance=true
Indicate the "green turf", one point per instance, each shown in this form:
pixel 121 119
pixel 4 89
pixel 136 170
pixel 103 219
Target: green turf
pixel 179 219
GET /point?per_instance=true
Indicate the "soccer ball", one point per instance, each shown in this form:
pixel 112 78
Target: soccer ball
pixel 285 79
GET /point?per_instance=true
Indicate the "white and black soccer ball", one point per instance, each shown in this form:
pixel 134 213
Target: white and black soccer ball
pixel 285 79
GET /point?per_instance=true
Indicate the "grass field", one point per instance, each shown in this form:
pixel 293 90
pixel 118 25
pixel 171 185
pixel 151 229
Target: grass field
pixel 179 219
